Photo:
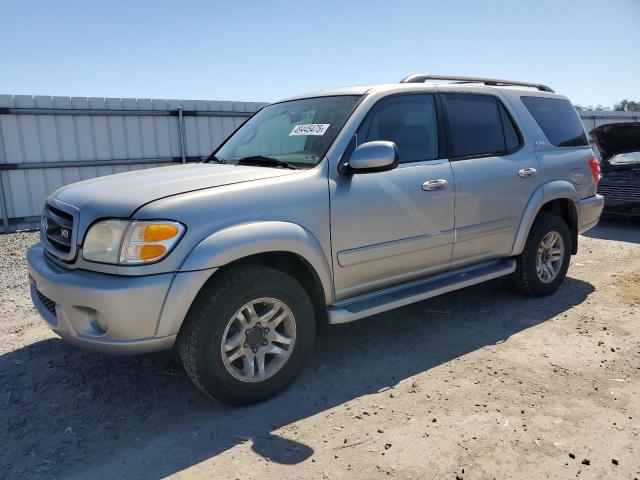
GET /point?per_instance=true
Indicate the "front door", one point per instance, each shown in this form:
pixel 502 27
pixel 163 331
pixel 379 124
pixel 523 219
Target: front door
pixel 391 227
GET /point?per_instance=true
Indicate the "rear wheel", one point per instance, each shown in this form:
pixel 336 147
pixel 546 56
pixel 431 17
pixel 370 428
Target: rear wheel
pixel 247 335
pixel 544 262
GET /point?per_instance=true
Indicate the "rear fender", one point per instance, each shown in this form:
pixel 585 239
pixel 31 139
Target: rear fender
pixel 557 189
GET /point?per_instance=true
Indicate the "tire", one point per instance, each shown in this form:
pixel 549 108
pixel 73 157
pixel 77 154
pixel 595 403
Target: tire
pixel 214 316
pixel 526 279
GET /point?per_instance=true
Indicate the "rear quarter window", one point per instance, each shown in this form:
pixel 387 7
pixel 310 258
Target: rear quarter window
pixel 558 120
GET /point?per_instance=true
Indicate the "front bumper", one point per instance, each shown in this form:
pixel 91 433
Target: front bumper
pixel 590 209
pixel 77 304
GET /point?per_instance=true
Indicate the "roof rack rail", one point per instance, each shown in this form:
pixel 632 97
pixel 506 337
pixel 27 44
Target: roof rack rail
pixel 419 78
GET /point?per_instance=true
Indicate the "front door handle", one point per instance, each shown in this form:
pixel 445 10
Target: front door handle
pixel 527 172
pixel 439 184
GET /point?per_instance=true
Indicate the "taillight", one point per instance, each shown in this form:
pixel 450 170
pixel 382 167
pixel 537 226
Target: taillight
pixel 594 164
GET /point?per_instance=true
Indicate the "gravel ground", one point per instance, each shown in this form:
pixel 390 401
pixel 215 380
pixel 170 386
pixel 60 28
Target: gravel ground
pixel 476 384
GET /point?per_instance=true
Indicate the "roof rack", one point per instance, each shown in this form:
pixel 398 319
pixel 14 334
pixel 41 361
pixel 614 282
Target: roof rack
pixel 419 78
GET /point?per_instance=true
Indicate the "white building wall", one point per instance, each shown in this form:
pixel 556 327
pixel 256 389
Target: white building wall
pixel 48 142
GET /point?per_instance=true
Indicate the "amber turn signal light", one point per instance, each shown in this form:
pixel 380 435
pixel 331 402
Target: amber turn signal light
pixel 157 232
pixel 149 252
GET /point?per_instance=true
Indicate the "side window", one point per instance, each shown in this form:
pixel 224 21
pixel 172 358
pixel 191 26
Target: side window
pixel 475 123
pixel 408 120
pixel 511 138
pixel 558 120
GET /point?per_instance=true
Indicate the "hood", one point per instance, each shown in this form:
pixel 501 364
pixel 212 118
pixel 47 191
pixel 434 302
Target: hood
pixel 122 194
pixel 615 138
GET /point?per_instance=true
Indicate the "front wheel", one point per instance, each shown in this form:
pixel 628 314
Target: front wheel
pixel 544 262
pixel 247 335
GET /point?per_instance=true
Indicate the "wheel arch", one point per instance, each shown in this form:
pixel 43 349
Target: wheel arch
pixel 299 268
pixel 281 245
pixel 558 197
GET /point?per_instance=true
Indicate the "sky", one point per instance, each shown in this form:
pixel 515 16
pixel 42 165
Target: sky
pixel 265 50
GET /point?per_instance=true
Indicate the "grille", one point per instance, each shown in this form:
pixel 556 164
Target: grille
pixel 621 193
pixel 48 303
pixel 57 227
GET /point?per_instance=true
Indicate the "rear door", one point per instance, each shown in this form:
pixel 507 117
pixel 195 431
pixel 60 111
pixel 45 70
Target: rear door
pixel 494 175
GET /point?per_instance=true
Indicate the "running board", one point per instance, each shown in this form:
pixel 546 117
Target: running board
pixel 401 295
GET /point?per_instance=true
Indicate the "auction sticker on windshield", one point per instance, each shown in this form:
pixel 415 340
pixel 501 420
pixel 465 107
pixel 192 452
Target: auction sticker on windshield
pixel 310 129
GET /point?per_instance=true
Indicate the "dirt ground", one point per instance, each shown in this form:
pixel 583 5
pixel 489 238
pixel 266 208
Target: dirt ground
pixel 477 384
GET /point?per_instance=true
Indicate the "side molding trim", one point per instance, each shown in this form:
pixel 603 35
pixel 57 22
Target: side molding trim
pixel 369 253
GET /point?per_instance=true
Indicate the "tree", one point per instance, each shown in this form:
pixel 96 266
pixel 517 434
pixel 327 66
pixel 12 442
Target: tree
pixel 627 106
pixel 591 108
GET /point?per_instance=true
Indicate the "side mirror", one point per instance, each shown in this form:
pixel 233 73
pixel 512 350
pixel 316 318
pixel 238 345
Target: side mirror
pixel 377 156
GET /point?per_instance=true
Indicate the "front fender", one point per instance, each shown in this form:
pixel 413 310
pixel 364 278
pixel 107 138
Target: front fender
pixel 557 189
pixel 240 241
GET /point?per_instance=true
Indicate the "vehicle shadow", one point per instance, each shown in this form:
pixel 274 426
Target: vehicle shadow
pixel 616 228
pixel 72 413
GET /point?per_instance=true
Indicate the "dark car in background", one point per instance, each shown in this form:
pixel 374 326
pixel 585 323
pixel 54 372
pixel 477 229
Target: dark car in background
pixel 619 146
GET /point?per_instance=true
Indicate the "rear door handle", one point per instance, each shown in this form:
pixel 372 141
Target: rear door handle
pixel 439 184
pixel 527 172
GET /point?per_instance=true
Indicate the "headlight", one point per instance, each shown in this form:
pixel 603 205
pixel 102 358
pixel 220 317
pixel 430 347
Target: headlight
pixel 102 243
pixel 130 242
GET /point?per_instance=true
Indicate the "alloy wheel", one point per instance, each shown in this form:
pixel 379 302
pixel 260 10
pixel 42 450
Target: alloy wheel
pixel 549 257
pixel 258 340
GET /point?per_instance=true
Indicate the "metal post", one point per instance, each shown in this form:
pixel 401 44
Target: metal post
pixel 181 133
pixel 3 206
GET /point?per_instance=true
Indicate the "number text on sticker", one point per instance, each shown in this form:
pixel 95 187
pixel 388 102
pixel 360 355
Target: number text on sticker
pixel 310 129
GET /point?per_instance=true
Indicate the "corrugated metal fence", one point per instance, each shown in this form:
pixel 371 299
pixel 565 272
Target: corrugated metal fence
pixel 593 119
pixel 47 142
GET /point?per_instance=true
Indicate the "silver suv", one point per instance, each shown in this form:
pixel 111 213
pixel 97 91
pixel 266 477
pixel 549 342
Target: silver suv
pixel 321 209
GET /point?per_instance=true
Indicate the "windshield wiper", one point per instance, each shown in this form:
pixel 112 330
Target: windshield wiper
pixel 262 160
pixel 213 158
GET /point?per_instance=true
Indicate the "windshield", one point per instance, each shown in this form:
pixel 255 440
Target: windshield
pixel 298 132
pixel 621 159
